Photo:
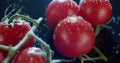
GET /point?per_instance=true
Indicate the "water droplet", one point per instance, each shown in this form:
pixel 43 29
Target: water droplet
pixel 57 5
pixel 68 20
pixel 78 29
pixel 58 25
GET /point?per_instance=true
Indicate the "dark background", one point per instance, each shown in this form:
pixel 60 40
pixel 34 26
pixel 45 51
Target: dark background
pixel 108 41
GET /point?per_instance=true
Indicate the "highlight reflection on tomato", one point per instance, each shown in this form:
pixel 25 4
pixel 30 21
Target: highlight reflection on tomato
pixel 96 11
pixel 60 9
pixel 30 55
pixel 74 36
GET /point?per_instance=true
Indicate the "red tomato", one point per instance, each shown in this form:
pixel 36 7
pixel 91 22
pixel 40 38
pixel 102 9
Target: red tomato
pixel 30 55
pixel 11 35
pixel 1 57
pixel 96 11
pixel 60 9
pixel 74 36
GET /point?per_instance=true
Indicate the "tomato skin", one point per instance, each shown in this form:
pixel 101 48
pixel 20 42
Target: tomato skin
pixel 29 55
pixel 60 9
pixel 96 11
pixel 1 57
pixel 11 35
pixel 74 36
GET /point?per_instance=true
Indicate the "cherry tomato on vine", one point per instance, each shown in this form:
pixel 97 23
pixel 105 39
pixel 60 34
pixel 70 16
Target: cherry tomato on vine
pixel 60 9
pixel 74 36
pixel 96 11
pixel 30 55
pixel 10 35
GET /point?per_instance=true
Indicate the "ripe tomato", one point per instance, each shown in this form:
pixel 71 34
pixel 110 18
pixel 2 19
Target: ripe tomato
pixel 1 57
pixel 11 35
pixel 74 36
pixel 96 11
pixel 60 9
pixel 30 55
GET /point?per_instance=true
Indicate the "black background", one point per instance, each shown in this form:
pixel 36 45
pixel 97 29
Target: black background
pixel 108 41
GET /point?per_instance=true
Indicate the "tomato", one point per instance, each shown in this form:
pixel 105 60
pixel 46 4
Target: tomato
pixel 12 34
pixel 74 36
pixel 30 55
pixel 60 9
pixel 1 57
pixel 96 11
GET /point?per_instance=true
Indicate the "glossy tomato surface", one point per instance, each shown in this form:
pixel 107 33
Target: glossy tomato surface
pixel 10 35
pixel 74 36
pixel 108 40
pixel 30 55
pixel 96 11
pixel 60 9
pixel 1 57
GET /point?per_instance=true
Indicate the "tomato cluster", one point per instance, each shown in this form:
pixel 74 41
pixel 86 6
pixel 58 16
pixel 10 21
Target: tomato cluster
pixel 11 35
pixel 73 24
pixel 16 40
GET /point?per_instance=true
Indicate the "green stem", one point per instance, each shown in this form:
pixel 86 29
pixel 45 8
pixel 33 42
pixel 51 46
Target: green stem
pixel 19 10
pixel 106 26
pixel 28 35
pixel 4 47
pixel 22 42
pixel 22 16
pixel 6 16
pixel 13 50
pixel 7 10
pixel 88 58
pixel 61 60
pixel 109 21
pixel 97 30
pixel 102 56
pixel 46 47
